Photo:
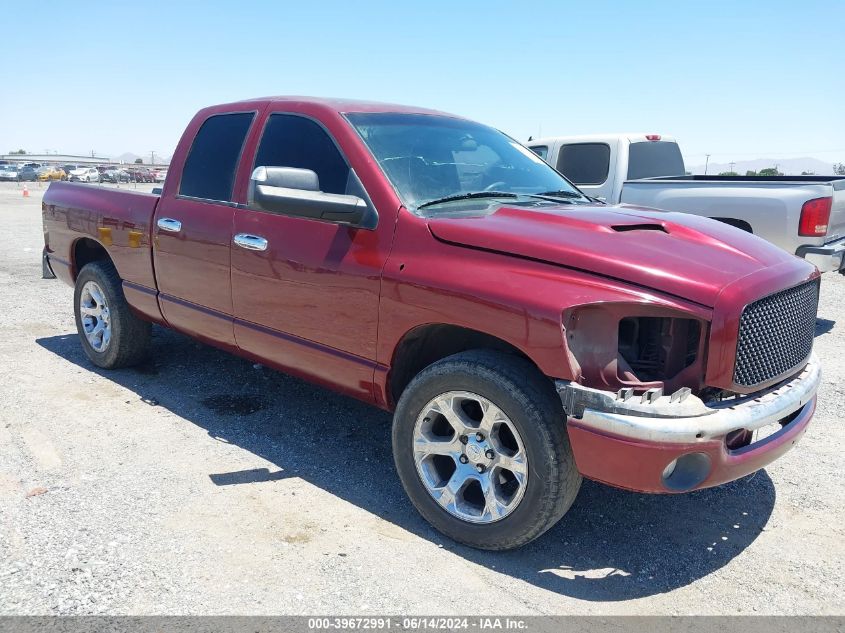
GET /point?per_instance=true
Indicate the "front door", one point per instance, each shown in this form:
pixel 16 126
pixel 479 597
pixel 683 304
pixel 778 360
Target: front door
pixel 193 230
pixel 306 292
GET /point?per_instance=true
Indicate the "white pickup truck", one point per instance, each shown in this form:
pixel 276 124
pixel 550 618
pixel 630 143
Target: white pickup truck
pixel 804 215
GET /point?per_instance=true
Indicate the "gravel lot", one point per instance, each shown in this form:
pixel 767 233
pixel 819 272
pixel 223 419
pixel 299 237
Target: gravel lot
pixel 200 484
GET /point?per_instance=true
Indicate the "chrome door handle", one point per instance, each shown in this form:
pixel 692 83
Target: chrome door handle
pixel 171 226
pixel 251 242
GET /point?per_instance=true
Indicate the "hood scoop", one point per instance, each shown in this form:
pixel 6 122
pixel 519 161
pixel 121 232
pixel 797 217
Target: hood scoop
pixel 621 228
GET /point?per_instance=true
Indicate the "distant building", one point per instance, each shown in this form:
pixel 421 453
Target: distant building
pixel 67 159
pixel 54 158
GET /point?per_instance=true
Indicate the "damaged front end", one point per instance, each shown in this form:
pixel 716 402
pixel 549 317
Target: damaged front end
pixel 640 416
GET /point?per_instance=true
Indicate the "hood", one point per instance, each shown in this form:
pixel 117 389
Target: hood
pixel 683 255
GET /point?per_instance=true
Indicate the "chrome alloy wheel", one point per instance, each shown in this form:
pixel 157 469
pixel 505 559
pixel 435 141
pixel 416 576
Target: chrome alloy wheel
pixel 470 457
pixel 94 313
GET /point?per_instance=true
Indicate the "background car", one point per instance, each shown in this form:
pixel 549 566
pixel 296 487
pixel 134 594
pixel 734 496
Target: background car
pixel 9 172
pixel 51 172
pixel 160 174
pixel 84 174
pixel 140 174
pixel 114 175
pixel 27 174
pixel 70 167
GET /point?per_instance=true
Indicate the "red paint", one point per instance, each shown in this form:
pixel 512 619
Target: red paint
pixel 689 259
pixel 332 304
pixel 73 211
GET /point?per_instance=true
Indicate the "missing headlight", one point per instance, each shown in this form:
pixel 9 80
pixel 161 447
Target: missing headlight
pixel 656 348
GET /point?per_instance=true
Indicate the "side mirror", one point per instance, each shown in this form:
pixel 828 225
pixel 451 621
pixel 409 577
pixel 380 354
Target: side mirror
pixel 296 192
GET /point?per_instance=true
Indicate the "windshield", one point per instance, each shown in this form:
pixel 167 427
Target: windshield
pixel 429 158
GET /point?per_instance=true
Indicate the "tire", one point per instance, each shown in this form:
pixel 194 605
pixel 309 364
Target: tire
pixel 127 342
pixel 527 401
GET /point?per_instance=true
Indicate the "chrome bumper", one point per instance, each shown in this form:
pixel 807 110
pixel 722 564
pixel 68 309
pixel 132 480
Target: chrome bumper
pixel 682 417
pixel 826 258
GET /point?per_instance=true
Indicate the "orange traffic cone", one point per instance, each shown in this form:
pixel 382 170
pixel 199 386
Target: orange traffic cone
pixel 25 192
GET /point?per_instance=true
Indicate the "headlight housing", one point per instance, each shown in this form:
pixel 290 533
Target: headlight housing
pixel 656 348
pixel 618 346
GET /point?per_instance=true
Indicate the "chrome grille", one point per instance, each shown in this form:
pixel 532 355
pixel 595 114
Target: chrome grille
pixel 776 334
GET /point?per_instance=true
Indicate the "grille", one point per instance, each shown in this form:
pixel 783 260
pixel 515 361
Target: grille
pixel 776 334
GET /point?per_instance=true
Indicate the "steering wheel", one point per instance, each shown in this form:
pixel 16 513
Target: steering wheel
pixel 495 186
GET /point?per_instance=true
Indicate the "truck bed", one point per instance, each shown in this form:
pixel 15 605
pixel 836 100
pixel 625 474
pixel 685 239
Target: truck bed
pixel 119 219
pixel 768 206
pixel 778 179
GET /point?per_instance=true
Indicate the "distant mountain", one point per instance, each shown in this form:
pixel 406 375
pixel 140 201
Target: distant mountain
pixel 129 157
pixel 787 166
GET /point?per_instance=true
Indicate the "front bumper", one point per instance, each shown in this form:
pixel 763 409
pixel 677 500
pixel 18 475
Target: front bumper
pixel 826 258
pixel 678 443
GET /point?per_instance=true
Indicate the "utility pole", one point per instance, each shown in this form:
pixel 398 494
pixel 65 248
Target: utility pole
pixel 706 163
pixel 152 157
pixel 732 163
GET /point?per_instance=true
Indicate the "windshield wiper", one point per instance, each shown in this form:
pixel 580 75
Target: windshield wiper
pixel 468 196
pixel 560 194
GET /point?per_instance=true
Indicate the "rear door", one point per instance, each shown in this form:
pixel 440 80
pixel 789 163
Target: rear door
pixel 193 231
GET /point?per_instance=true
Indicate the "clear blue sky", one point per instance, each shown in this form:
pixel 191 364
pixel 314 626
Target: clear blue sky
pixel 738 80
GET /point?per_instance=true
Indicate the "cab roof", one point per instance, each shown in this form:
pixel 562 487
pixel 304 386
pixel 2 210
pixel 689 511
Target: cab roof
pixel 342 106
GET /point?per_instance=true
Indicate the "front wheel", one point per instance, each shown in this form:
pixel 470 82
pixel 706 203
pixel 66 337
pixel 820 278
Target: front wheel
pixel 480 445
pixel 112 336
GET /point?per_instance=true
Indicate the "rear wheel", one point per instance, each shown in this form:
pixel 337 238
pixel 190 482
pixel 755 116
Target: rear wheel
pixel 480 445
pixel 111 335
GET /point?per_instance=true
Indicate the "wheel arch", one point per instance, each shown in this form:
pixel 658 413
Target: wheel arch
pixel 426 344
pixel 740 224
pixel 84 251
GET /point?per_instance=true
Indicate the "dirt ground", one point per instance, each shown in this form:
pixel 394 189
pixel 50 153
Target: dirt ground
pixel 201 484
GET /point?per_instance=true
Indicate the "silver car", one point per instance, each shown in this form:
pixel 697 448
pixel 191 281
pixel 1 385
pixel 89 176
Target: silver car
pixel 8 172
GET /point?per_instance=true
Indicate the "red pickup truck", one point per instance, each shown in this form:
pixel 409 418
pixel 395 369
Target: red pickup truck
pixel 523 334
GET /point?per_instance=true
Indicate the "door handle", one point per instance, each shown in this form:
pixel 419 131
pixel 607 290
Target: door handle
pixel 171 226
pixel 251 242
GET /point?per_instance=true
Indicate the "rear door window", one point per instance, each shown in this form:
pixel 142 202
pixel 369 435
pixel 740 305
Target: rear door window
pixel 584 163
pixel 654 159
pixel 209 171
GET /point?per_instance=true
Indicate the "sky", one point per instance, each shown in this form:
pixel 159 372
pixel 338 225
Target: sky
pixel 737 80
